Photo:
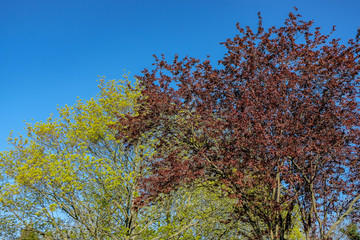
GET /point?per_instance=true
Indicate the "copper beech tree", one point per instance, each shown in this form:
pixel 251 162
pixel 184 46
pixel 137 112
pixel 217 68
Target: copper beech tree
pixel 275 126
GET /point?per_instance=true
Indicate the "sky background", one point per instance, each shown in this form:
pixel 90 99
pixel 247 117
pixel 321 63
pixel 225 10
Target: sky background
pixel 52 51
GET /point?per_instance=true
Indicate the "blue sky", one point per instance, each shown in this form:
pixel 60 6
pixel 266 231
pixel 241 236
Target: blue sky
pixel 52 51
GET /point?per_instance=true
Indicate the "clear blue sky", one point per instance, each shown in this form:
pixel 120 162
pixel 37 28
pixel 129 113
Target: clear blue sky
pixel 52 51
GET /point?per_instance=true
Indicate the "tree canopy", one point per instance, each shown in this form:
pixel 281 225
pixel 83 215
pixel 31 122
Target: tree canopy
pixel 275 126
pixel 263 145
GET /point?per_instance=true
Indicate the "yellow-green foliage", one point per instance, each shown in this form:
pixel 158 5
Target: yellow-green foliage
pixel 296 232
pixel 59 151
pixel 70 177
pixel 73 166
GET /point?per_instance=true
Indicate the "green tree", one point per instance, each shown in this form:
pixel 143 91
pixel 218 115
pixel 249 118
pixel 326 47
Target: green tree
pixel 70 177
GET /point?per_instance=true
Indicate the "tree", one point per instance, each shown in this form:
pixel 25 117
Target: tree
pixel 70 178
pixel 276 126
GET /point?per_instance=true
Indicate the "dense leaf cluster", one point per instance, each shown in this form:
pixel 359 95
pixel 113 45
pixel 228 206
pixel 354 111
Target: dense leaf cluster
pixel 276 126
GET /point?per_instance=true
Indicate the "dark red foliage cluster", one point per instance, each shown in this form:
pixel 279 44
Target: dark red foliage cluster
pixel 278 116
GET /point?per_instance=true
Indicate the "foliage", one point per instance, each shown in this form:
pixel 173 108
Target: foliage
pixel 276 126
pixel 266 146
pixel 351 232
pixel 70 178
pixel 28 234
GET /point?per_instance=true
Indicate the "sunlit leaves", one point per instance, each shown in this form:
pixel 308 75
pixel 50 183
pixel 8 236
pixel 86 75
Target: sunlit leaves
pixel 72 170
pixel 72 177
